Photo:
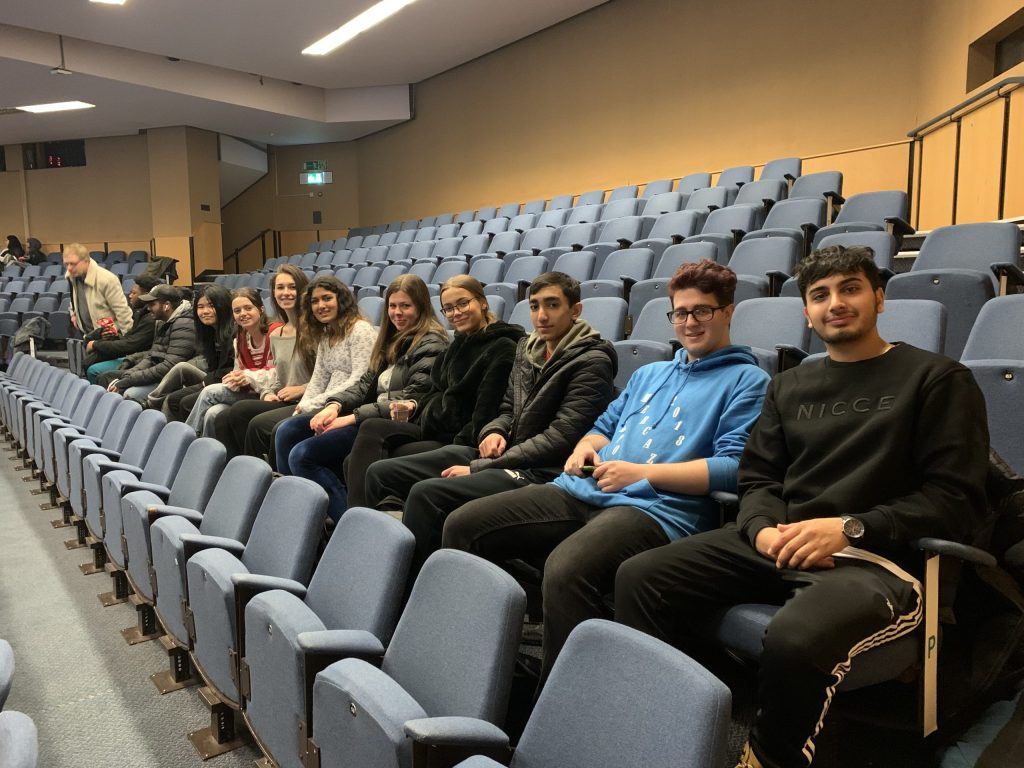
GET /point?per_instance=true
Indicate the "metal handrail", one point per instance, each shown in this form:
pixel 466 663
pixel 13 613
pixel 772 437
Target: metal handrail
pixel 261 235
pixel 995 87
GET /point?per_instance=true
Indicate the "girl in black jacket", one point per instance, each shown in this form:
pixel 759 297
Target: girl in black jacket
pixel 215 329
pixel 466 388
pixel 400 364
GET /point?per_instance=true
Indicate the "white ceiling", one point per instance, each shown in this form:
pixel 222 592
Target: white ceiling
pixel 240 70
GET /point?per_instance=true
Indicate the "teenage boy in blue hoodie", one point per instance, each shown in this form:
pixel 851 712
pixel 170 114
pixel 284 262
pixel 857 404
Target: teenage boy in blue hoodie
pixel 640 478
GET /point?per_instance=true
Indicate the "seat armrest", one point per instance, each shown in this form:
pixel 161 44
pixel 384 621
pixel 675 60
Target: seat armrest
pixel 789 356
pixel 521 288
pixel 676 239
pixel 725 497
pixel 87 450
pixel 156 511
pixel 624 243
pixel 444 742
pixel 898 227
pixel 776 277
pixel 114 466
pixel 1009 275
pixel 137 485
pixel 197 542
pixel 248 585
pixel 341 643
pixel 964 552
pixel 456 732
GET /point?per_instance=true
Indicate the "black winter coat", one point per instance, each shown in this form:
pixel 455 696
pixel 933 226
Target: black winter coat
pixel 410 380
pixel 174 341
pixel 547 410
pixel 467 384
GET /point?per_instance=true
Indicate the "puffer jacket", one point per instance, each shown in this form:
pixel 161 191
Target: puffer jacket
pixel 173 342
pixel 550 404
pixel 467 384
pixel 410 380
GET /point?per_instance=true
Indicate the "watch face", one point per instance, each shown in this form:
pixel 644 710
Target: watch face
pixel 852 528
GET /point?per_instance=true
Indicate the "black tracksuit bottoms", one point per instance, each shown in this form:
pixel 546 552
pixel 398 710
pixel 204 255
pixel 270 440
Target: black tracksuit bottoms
pixel 826 618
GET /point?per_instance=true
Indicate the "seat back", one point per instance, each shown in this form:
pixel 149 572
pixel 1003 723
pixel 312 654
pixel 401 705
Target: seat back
pixel 657 187
pixel 680 224
pixel 372 307
pixel 607 316
pixel 652 323
pixel 507 210
pixel 782 168
pixel 624 206
pixel 200 468
pixel 706 199
pixel 1002 383
pixel 537 238
pixel 360 579
pixel 522 222
pixel 691 182
pixel 494 226
pixel 145 432
pixel 283 538
pixel 582 719
pixel 503 242
pixel 101 413
pixel 635 263
pixel 486 213
pixel 996 334
pixel 454 647
pixel 6 670
pixel 873 207
pixel 525 268
pixel 559 202
pixel 448 269
pixel 664 202
pixel 626 192
pixel 918 322
pixel 578 264
pixel 19 740
pixel 724 220
pixel 968 246
pixel 585 214
pixel 763 323
pixel 882 244
pixel 818 184
pixel 735 176
pixel 473 245
pixel 168 453
pixel 231 509
pixel 770 254
pixel 756 192
pixel 533 206
pixel 120 425
pixel 555 218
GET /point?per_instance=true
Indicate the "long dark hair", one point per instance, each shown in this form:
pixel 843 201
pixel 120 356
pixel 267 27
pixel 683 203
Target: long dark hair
pixel 348 311
pixel 389 339
pixel 304 344
pixel 216 337
pixel 14 246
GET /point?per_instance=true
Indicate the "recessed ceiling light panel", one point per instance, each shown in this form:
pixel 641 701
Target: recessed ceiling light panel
pixel 59 106
pixel 368 18
pixel 108 2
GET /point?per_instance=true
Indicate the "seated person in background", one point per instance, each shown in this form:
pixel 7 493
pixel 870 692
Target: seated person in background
pixel 561 382
pixel 245 427
pixel 34 252
pixel 466 387
pixel 96 292
pixel 173 341
pixel 14 253
pixel 854 457
pixel 344 342
pixel 106 352
pixel 405 350
pixel 251 352
pixel 641 477
pixel 215 333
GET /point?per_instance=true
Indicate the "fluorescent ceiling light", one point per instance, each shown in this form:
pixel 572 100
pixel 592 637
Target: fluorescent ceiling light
pixel 59 106
pixel 108 2
pixel 368 18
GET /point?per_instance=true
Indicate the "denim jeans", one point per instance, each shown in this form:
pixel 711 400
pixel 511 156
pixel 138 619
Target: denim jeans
pixel 318 458
pixel 103 366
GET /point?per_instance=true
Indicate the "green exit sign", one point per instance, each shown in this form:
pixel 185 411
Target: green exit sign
pixel 314 165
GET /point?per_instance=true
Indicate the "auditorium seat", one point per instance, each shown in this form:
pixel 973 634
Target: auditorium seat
pixel 290 633
pixel 650 339
pixel 114 436
pixel 280 549
pixel 534 207
pixel 486 213
pixel 797 218
pixel 785 168
pixel 578 264
pixel 763 193
pixel 372 308
pixel 652 188
pixel 495 225
pixel 884 211
pixel 668 229
pixel 452 655
pixel 766 324
pixel 691 182
pixel 559 202
pixel 554 218
pixel 617 233
pixel 724 227
pixel 955 266
pixel 522 222
pixel 516 279
pixel 606 315
pixel 619 272
pixel 824 184
pixel 594 197
pixel 707 199
pixel 763 265
pixel 444 271
pixel 583 718
pixel 664 202
pixel 671 259
pixel 19 740
pixel 507 211
pixel 736 176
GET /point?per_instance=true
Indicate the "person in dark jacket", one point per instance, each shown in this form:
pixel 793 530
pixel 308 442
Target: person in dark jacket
pixel 562 380
pixel 215 333
pixel 173 341
pixel 400 364
pixel 34 252
pixel 14 253
pixel 466 388
pixel 106 353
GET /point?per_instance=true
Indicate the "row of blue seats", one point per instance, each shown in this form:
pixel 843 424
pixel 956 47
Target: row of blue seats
pixel 787 169
pixel 205 544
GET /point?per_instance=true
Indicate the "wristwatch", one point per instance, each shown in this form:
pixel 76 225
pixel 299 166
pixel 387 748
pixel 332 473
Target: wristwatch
pixel 853 529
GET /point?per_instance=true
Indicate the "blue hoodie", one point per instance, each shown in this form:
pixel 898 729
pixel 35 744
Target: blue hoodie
pixel 673 412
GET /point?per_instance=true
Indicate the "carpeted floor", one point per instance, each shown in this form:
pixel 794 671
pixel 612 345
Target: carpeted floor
pixel 87 690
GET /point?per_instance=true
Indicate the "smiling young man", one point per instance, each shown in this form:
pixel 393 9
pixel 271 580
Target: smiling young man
pixel 854 458
pixel 641 476
pixel 561 381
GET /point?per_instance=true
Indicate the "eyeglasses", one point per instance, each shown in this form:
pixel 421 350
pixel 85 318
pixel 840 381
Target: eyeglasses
pixel 460 306
pixel 701 314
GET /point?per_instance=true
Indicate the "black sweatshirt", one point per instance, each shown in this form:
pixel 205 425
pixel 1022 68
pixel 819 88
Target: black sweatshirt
pixel 899 441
